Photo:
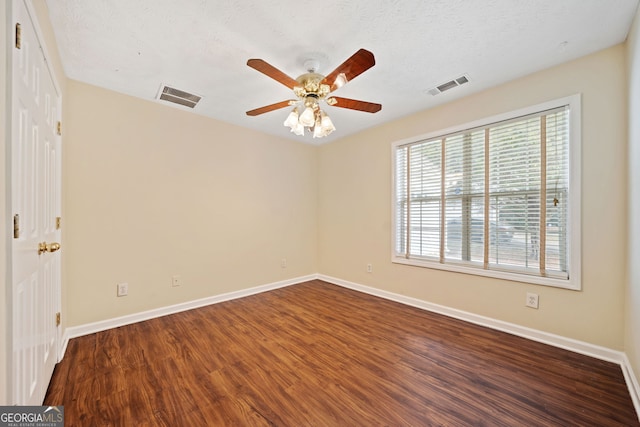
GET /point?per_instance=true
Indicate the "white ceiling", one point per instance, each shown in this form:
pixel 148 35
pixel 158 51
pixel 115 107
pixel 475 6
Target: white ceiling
pixel 202 46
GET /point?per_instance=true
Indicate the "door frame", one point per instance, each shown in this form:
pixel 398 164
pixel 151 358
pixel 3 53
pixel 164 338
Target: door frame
pixel 9 133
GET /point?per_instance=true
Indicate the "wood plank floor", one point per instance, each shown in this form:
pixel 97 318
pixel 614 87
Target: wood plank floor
pixel 316 354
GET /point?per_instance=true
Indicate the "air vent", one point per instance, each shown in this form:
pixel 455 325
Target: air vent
pixel 178 96
pixel 449 85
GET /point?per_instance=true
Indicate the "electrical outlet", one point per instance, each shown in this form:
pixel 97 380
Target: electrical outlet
pixel 123 289
pixel 532 300
pixel 283 263
pixel 369 268
pixel 176 280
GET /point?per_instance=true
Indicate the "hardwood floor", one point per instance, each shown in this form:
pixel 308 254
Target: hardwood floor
pixel 316 354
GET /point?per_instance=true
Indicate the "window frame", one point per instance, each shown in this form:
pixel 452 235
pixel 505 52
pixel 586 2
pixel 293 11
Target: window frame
pixel 574 228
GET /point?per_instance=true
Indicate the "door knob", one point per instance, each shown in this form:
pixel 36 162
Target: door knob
pixel 48 247
pixel 52 247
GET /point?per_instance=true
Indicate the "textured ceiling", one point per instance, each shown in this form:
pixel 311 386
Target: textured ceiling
pixel 202 46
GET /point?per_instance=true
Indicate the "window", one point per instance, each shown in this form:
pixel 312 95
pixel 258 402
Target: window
pixel 498 198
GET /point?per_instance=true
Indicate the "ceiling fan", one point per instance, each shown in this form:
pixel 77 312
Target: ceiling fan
pixel 311 88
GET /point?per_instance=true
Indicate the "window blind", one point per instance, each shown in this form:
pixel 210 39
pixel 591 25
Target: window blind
pixel 493 197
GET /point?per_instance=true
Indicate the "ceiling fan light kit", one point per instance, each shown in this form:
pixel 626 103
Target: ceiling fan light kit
pixel 311 88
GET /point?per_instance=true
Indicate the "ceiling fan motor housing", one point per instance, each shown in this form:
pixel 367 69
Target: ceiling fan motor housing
pixel 310 85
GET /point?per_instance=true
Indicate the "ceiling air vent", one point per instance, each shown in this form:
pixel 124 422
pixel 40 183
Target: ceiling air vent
pixel 449 85
pixel 178 96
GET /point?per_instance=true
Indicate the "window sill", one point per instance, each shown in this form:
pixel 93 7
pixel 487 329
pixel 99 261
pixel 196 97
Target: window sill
pixel 504 275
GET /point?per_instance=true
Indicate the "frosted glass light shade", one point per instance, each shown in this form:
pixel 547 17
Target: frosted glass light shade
pixel 298 129
pixel 317 132
pixel 326 124
pixel 307 117
pixel 292 119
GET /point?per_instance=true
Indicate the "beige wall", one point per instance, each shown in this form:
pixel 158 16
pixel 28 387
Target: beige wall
pixel 632 320
pixel 355 206
pixel 151 191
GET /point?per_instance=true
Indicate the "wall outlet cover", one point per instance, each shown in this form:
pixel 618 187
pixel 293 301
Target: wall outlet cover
pixel 532 300
pixel 123 289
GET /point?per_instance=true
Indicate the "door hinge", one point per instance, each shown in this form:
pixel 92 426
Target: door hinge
pixel 16 226
pixel 18 36
pixel 58 319
pixel 58 222
pixel 59 128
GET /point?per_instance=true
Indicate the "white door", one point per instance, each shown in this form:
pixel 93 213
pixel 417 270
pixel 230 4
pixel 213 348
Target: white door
pixel 35 201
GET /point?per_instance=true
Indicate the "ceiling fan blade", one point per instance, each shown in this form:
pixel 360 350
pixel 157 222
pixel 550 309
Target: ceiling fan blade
pixel 354 104
pixel 271 71
pixel 267 108
pixel 357 64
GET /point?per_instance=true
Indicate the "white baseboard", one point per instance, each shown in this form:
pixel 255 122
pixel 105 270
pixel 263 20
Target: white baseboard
pixel 632 382
pixel 90 328
pixel 64 344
